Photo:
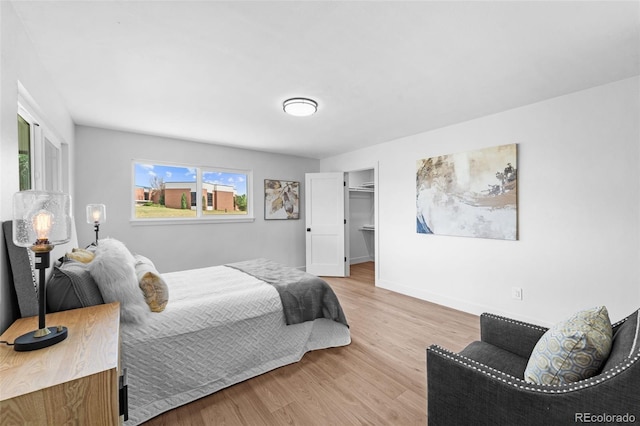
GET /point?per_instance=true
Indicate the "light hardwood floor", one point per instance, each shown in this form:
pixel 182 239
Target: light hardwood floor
pixel 379 379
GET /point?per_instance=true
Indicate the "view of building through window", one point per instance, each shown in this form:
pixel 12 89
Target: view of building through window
pixel 166 191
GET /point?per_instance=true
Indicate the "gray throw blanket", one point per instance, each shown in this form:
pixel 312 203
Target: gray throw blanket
pixel 305 297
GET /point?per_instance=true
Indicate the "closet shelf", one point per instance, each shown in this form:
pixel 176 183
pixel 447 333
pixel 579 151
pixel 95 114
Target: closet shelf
pixel 363 187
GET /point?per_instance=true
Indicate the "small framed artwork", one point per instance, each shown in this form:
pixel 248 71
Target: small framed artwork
pixel 281 199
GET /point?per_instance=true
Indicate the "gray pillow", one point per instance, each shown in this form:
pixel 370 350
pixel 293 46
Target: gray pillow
pixel 71 286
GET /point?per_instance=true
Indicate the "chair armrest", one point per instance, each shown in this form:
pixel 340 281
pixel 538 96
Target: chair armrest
pixel 514 336
pixel 462 391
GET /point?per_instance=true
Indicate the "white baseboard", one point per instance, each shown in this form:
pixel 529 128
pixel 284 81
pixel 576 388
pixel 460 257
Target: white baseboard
pixel 361 259
pixel 458 304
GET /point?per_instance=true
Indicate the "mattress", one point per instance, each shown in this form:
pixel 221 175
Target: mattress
pixel 220 327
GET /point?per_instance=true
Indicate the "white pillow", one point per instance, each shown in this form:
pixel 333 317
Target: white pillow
pixel 114 272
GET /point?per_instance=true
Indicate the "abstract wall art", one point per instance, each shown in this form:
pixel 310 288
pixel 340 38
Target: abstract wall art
pixel 281 199
pixel 469 194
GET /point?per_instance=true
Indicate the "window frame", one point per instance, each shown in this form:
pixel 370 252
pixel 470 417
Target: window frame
pixel 41 135
pixel 200 217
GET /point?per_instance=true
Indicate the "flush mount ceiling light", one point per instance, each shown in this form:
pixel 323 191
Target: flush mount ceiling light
pixel 300 107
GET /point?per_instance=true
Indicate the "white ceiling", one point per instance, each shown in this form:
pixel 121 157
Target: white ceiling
pixel 218 72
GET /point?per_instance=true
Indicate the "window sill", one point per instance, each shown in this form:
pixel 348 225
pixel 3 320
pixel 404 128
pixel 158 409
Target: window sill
pixel 189 221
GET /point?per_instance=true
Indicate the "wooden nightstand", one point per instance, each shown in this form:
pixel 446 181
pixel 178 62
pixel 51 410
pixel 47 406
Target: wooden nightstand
pixel 73 382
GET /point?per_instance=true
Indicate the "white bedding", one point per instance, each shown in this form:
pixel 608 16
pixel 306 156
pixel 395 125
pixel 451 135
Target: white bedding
pixel 220 327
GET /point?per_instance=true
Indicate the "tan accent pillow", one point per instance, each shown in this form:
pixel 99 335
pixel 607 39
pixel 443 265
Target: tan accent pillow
pixel 81 255
pixel 571 350
pixel 156 292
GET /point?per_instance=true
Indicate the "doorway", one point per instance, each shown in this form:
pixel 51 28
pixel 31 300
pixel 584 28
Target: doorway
pixel 362 216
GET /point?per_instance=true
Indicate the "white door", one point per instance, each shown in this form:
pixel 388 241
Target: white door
pixel 325 223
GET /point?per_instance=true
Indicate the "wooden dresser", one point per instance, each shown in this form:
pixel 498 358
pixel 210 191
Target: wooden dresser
pixel 73 382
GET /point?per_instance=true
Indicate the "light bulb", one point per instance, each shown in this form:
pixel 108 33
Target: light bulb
pixel 96 213
pixel 42 224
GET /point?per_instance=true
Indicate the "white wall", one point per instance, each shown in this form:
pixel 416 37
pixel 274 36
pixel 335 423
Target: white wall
pixel 19 63
pixel 579 210
pixel 103 175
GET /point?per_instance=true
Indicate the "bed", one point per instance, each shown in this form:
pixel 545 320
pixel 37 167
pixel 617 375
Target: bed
pixel 222 325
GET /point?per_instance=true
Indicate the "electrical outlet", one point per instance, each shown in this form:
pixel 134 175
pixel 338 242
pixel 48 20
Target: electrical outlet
pixel 516 293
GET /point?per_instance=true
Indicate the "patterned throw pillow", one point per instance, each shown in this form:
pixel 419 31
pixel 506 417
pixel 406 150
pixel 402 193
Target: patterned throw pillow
pixel 571 350
pixel 156 292
pixel 81 255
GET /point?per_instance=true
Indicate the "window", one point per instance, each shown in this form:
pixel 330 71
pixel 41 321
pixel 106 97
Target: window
pixel 228 192
pixel 178 192
pixel 43 156
pixel 24 153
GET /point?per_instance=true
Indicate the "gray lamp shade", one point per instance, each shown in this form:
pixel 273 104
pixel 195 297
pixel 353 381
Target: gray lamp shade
pixel 41 215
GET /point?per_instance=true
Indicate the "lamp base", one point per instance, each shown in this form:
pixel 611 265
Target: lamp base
pixel 28 342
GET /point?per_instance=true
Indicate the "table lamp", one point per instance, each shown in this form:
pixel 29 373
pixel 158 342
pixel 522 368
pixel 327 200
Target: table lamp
pixel 96 214
pixel 41 220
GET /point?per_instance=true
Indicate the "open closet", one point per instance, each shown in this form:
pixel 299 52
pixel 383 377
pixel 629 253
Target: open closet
pixel 361 216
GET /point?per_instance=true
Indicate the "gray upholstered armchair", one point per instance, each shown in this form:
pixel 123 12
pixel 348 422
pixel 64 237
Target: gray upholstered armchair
pixel 483 384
